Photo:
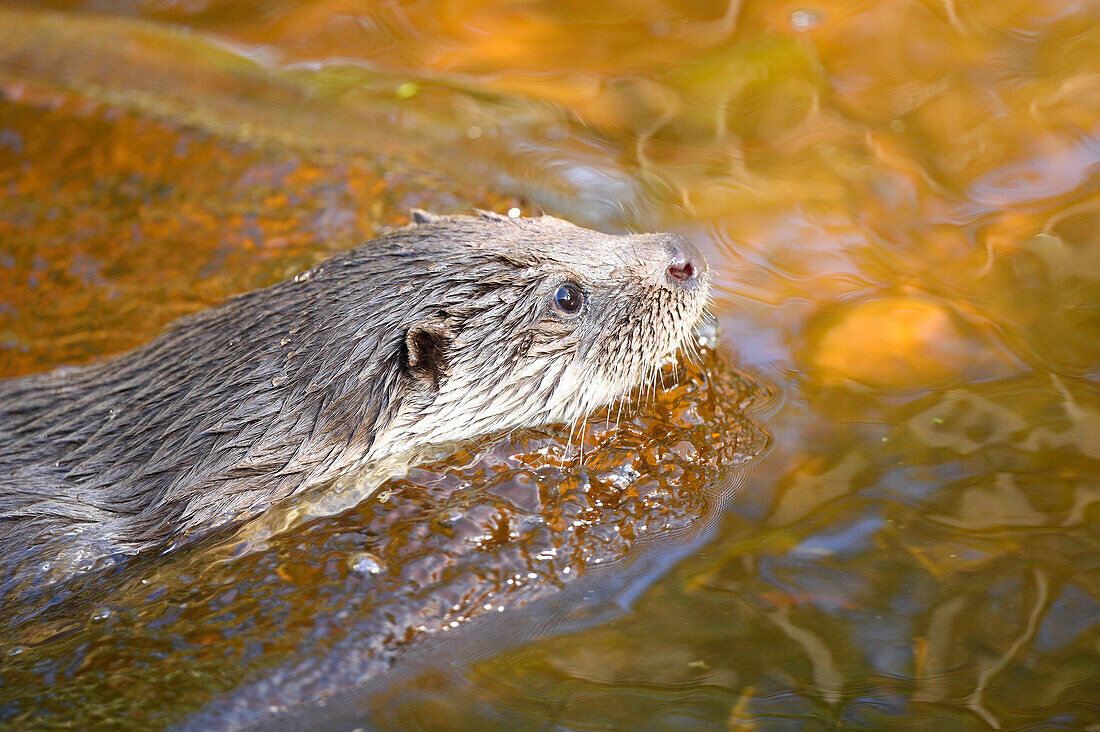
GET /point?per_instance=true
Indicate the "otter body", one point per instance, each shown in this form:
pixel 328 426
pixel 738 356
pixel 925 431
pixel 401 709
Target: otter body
pixel 446 329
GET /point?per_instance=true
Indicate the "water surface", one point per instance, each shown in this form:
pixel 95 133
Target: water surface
pixel 900 203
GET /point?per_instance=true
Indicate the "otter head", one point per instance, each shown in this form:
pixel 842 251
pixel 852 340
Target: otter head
pixel 529 321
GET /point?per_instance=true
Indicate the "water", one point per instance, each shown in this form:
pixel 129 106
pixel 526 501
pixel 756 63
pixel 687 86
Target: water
pixel 899 204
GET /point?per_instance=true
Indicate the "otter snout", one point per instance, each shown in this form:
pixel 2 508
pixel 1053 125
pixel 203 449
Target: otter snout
pixel 686 266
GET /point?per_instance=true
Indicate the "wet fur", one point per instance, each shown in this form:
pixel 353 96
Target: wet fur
pixel 438 331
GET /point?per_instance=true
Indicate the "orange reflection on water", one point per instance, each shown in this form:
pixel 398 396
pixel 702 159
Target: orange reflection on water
pixel 898 201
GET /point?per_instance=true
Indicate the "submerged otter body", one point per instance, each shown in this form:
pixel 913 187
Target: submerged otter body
pixel 446 329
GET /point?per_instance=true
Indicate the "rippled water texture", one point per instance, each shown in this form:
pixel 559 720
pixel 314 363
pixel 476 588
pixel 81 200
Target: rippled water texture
pixel 900 203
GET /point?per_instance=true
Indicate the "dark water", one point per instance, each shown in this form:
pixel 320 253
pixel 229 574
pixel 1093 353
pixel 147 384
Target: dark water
pixel 900 203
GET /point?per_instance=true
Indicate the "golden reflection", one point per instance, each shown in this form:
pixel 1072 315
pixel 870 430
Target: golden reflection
pixel 899 203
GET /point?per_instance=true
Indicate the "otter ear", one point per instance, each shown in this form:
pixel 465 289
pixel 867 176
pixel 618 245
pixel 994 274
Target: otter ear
pixel 426 346
pixel 420 216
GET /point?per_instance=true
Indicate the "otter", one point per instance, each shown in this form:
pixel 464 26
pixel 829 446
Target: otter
pixel 443 330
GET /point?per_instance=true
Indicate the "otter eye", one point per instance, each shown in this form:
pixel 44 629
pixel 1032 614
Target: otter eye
pixel 569 298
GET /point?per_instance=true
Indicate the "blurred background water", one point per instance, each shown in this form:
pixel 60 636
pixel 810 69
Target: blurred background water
pixel 900 203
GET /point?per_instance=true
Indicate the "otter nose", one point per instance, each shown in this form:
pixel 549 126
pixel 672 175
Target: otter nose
pixel 686 265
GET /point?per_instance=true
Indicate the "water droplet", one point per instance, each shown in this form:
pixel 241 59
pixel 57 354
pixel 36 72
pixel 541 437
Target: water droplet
pixel 706 333
pixel 279 380
pixel 514 213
